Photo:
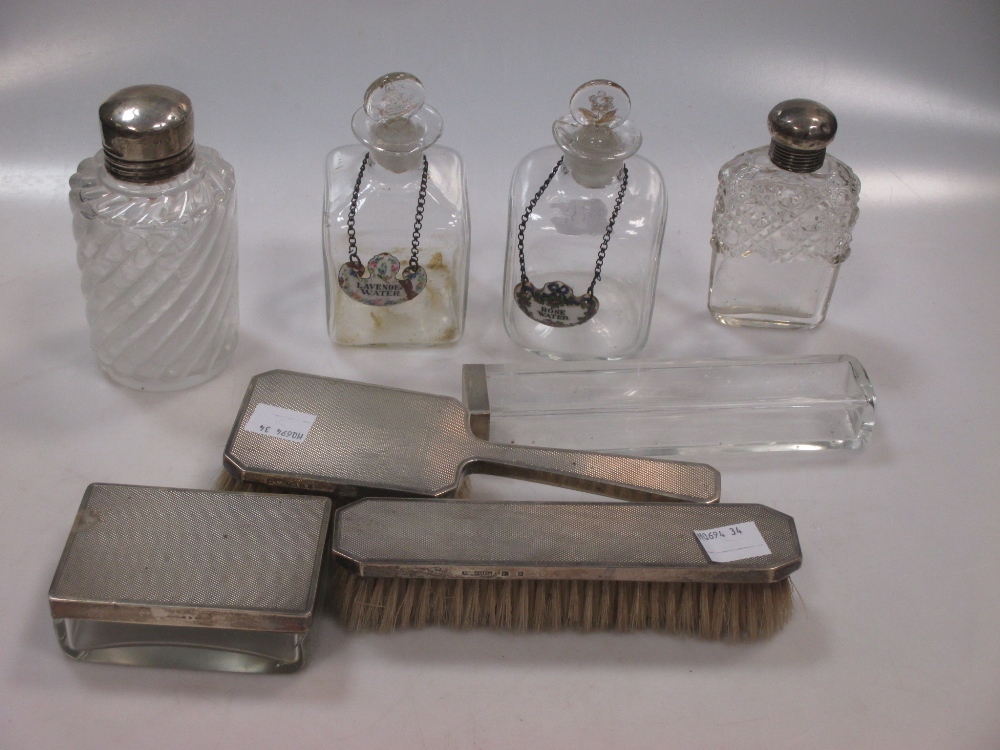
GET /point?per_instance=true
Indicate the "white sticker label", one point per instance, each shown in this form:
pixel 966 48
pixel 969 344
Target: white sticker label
pixel 731 543
pixel 280 423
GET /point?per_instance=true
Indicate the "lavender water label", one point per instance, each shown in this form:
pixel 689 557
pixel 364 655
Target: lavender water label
pixel 383 285
pixel 555 304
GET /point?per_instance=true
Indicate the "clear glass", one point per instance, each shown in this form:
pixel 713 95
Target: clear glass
pixel 159 267
pixel 562 240
pixel 384 221
pixel 215 649
pixel 778 239
pixel 669 408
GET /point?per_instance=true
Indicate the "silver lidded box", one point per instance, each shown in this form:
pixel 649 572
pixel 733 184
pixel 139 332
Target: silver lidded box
pixel 226 581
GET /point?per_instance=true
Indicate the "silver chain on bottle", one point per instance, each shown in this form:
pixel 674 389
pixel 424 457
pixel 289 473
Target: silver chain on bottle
pixel 418 218
pixel 607 232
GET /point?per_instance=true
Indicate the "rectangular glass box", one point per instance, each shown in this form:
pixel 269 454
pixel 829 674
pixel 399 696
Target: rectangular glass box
pixel 670 408
pixel 224 581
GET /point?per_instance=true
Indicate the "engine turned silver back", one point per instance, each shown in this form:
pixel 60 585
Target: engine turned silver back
pixel 654 541
pixel 364 440
pixel 154 576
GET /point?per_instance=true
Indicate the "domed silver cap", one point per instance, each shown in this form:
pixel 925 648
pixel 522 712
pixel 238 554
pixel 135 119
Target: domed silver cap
pixel 148 133
pixel 800 131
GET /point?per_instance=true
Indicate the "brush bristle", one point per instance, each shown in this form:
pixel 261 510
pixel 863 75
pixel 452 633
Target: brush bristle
pixel 713 611
pixel 226 482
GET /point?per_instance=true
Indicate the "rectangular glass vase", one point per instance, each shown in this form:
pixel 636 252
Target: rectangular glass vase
pixel 671 408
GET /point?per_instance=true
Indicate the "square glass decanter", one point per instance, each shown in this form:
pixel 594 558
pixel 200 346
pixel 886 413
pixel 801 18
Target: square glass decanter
pixel 395 225
pixel 585 229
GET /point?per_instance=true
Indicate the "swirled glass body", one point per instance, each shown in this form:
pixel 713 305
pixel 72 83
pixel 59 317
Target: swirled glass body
pixel 159 271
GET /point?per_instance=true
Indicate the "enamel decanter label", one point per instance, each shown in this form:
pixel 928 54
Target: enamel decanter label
pixel 555 304
pixel 383 285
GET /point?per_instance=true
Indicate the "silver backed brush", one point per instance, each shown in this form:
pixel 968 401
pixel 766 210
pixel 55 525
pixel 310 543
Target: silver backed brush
pixel 367 439
pixel 551 566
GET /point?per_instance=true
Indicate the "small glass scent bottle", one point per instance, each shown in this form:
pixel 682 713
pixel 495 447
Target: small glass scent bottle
pixel 154 217
pixel 584 234
pixel 782 224
pixel 395 225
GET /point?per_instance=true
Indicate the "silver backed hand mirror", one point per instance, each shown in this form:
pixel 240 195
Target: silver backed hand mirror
pixel 354 439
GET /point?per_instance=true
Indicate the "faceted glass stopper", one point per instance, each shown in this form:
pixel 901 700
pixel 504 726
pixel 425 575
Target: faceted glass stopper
pixel 394 96
pixel 394 122
pixel 596 135
pixel 600 102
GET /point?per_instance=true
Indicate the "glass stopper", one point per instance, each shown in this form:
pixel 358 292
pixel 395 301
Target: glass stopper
pixel 395 123
pixel 600 102
pixel 394 96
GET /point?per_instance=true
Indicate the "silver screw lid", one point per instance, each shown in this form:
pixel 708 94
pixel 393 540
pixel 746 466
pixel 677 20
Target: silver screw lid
pixel 800 131
pixel 148 133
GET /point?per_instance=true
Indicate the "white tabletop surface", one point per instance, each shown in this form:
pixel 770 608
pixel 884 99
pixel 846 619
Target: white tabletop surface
pixel 895 641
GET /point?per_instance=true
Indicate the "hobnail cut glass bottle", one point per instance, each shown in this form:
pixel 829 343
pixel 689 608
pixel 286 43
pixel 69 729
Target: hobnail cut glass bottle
pixel 782 224
pixel 397 131
pixel 158 263
pixel 564 231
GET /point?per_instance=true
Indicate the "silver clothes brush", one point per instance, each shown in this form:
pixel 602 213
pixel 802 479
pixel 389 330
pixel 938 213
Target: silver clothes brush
pixel 553 566
pixel 353 439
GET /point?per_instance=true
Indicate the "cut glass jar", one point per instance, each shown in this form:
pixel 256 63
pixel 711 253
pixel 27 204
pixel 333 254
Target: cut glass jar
pixel 782 224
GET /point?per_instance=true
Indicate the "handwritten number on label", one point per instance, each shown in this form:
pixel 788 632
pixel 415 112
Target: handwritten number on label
pixel 732 543
pixel 275 421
